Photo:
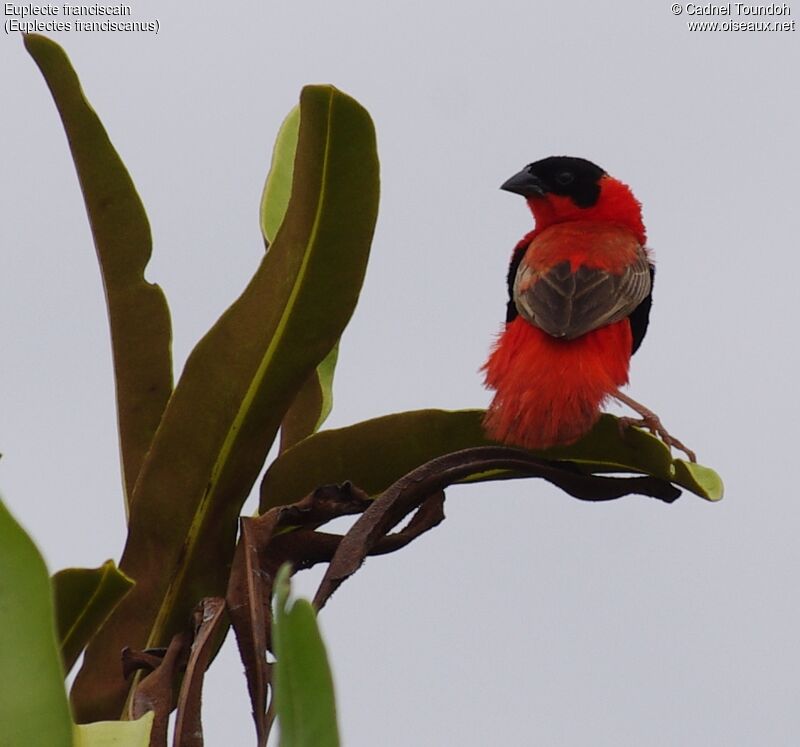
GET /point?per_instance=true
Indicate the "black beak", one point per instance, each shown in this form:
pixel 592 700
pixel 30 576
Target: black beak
pixel 525 184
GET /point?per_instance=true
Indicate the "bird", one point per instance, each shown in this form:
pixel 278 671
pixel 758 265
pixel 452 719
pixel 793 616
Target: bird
pixel 580 288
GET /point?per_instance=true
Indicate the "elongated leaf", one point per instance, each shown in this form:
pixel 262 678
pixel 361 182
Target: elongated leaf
pixel 33 702
pixel 115 733
pixel 325 372
pixel 84 598
pixel 312 405
pixel 371 454
pixel 278 187
pixel 606 449
pixel 137 310
pixel 235 390
pixel 304 699
pixel 704 480
pixel 375 453
pixel 314 401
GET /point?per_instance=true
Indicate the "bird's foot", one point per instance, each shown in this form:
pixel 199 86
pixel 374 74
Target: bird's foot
pixel 652 423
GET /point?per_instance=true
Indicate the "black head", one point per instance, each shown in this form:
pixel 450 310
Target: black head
pixel 575 178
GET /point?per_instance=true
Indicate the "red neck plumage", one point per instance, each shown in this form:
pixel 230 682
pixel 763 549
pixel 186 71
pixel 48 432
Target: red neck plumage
pixel 616 204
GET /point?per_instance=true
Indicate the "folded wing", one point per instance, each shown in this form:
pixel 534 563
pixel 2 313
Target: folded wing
pixel 568 304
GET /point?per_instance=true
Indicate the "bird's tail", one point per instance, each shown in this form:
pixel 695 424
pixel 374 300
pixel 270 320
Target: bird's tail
pixel 549 392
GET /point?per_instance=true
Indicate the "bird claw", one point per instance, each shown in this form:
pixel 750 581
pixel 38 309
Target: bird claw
pixel 653 424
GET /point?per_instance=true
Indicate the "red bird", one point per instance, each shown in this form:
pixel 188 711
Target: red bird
pixel 580 289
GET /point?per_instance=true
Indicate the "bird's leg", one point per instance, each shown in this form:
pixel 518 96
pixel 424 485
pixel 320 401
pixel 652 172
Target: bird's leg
pixel 651 421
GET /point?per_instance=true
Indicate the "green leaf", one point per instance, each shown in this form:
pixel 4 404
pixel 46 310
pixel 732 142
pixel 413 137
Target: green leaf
pixel 115 733
pixel 137 310
pixel 304 698
pixel 606 449
pixel 33 702
pixel 84 598
pixel 374 453
pixel 312 405
pixel 278 187
pixel 371 454
pixel 314 401
pixel 236 387
pixel 699 479
pixel 325 372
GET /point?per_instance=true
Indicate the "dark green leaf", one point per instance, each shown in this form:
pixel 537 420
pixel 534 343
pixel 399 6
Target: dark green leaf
pixel 235 390
pixel 606 449
pixel 304 699
pixel 137 310
pixel 314 401
pixel 371 454
pixel 33 702
pixel 84 597
pixel 375 453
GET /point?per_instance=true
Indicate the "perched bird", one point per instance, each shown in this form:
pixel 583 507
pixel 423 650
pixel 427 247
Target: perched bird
pixel 580 289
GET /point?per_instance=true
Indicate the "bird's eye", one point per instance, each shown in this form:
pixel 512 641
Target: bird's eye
pixel 564 178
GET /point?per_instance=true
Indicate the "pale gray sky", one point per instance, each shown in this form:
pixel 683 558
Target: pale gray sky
pixel 527 617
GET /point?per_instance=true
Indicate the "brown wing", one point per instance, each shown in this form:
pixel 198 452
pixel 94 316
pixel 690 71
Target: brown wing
pixel 568 304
